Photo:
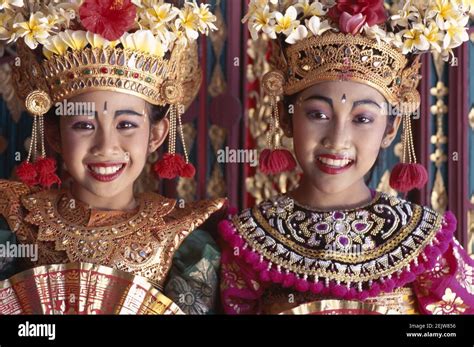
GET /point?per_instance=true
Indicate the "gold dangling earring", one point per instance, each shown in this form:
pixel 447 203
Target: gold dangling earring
pixel 274 159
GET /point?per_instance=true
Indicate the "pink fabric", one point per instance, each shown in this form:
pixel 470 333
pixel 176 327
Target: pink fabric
pixel 448 288
pixel 246 274
pixel 241 288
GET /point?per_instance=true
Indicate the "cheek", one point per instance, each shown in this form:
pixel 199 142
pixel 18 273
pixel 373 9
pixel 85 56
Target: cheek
pixel 74 147
pixel 367 143
pixel 306 133
pixel 136 144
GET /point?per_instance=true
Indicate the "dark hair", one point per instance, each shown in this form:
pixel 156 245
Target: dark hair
pixel 291 99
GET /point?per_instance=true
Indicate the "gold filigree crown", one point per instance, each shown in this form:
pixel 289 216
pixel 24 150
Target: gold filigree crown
pixel 159 80
pixel 144 48
pixel 368 42
pixel 338 56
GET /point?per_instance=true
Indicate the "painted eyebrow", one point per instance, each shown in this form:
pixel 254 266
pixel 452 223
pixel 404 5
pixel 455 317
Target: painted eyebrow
pixel 129 112
pixel 365 102
pixel 354 105
pixel 321 98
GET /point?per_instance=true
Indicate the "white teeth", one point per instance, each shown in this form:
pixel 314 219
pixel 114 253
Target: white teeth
pixel 101 170
pixel 335 163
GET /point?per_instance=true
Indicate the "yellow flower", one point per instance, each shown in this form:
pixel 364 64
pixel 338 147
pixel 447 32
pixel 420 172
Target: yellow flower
pixel 256 5
pixel 286 23
pixel 54 45
pixel 162 13
pixel 433 36
pixel 97 41
pixel 456 33
pixel 415 39
pixel 76 40
pixel 206 18
pixel 444 10
pixel 450 304
pixel 33 31
pixel 143 41
pixel 262 20
pixel 313 9
pixel 466 5
pixel 9 4
pixel 189 21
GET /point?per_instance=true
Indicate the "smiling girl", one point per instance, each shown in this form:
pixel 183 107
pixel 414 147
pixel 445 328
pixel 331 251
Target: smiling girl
pixel 139 80
pixel 332 245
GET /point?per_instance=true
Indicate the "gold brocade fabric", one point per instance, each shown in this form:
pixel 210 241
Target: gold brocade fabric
pixel 278 300
pixel 140 241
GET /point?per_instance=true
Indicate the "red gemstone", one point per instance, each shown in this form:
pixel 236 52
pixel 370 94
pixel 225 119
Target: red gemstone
pixel 104 70
pixel 70 75
pixel 135 75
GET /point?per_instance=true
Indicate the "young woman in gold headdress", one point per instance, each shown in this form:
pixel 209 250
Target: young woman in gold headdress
pixel 332 245
pixel 132 67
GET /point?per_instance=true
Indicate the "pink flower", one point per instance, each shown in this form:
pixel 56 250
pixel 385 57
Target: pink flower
pixel 351 24
pixel 372 10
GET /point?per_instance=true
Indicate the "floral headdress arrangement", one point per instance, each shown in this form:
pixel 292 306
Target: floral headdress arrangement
pixel 144 48
pixel 362 41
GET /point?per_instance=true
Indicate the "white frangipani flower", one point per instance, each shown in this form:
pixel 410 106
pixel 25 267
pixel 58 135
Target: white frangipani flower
pixel 264 21
pixel 456 33
pixel 33 31
pixel 317 27
pixel 10 4
pixel 298 34
pixel 286 23
pixel 310 9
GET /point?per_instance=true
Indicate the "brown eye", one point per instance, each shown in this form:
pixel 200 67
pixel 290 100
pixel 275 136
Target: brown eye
pixel 317 115
pixel 83 126
pixel 126 125
pixel 363 119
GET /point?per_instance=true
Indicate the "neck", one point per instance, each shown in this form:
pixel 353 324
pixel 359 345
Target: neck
pixel 125 200
pixel 354 196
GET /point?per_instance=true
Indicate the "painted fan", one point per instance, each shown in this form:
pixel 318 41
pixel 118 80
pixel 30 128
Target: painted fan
pixel 81 288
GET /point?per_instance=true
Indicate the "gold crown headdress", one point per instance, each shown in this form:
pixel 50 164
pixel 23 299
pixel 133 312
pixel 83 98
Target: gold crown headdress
pixel 316 41
pixel 146 48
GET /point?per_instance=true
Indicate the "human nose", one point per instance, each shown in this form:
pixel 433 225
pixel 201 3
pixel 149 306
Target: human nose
pixel 337 136
pixel 106 143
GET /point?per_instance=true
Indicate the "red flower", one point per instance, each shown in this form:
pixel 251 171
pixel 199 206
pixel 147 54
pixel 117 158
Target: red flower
pixel 108 18
pixel 373 10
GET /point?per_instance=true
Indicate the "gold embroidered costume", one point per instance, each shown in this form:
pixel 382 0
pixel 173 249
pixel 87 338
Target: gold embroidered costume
pixel 142 241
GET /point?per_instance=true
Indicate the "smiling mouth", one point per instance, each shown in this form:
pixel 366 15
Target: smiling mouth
pixel 332 164
pixel 337 163
pixel 106 172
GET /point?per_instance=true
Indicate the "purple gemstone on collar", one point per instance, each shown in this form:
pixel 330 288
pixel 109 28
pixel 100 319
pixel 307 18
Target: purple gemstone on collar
pixel 360 226
pixel 322 227
pixel 338 215
pixel 343 240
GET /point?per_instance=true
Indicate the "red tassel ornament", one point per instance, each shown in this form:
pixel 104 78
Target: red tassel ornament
pixel 408 175
pixel 172 164
pixel 274 161
pixel 41 171
pixel 27 173
pixel 46 170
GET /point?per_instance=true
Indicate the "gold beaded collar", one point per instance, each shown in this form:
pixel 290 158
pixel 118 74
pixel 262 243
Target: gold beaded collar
pixel 91 243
